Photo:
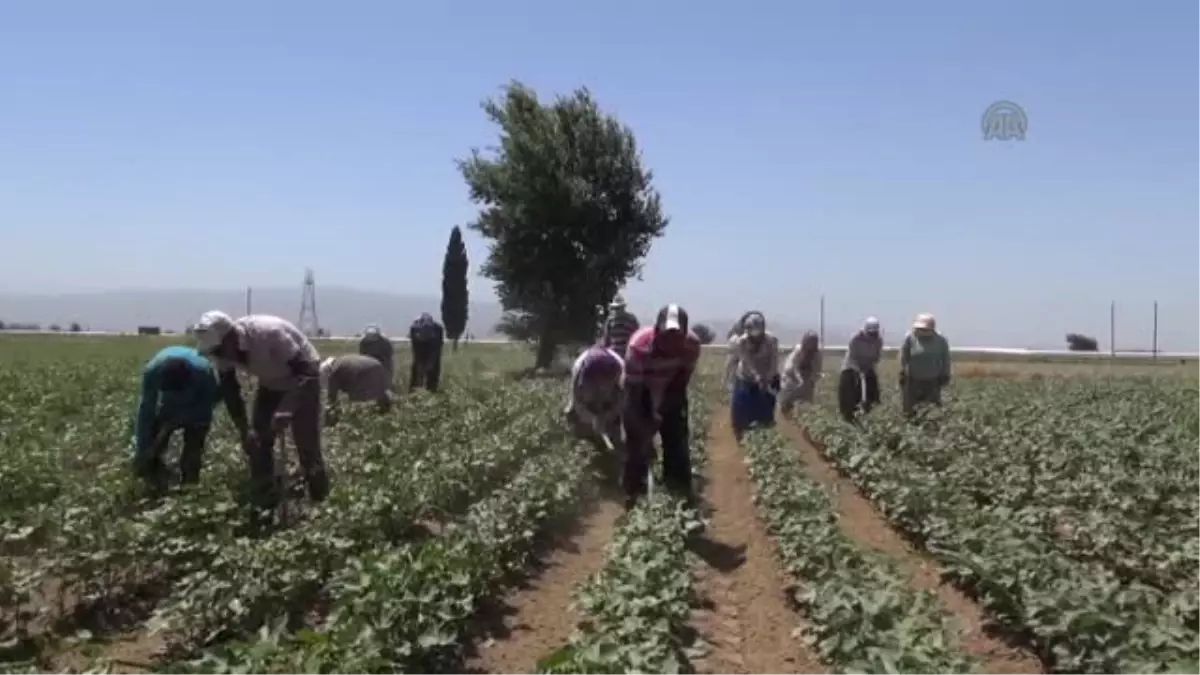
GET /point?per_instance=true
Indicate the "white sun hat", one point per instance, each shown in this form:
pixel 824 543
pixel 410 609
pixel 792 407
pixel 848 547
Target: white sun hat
pixel 212 329
pixel 925 321
pixel 871 325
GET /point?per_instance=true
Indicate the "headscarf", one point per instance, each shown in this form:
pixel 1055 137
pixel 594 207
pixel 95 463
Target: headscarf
pixel 809 347
pixel 756 325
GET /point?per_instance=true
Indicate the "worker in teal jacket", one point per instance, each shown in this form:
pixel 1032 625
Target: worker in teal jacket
pixel 179 391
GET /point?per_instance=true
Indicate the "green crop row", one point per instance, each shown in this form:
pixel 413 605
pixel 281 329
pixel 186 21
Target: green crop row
pixel 242 581
pixel 861 613
pixel 635 608
pixel 1005 483
pixel 407 608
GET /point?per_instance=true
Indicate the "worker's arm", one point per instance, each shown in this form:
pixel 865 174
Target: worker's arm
pixel 208 393
pixel 731 360
pixel 905 353
pixel 772 359
pixel 143 423
pixel 231 394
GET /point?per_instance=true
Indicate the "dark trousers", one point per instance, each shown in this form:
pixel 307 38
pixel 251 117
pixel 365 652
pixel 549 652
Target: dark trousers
pixel 190 460
pixel 426 367
pixel 639 443
pixel 306 435
pixel 851 395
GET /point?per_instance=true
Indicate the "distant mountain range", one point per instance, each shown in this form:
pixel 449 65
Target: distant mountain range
pixel 340 310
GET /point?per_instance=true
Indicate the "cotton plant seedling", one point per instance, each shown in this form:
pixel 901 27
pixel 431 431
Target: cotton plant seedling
pixel 1067 506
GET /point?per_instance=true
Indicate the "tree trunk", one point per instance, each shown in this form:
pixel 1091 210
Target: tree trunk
pixel 545 352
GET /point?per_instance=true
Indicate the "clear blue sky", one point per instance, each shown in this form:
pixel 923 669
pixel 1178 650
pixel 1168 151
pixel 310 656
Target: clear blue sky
pixel 801 148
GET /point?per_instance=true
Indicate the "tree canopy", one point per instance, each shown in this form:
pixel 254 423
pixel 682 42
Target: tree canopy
pixel 455 296
pixel 567 208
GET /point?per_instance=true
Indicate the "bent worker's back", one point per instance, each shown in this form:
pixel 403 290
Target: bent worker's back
pixel 359 377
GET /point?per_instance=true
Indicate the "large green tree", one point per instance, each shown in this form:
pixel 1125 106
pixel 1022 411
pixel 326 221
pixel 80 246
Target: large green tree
pixel 568 210
pixel 455 296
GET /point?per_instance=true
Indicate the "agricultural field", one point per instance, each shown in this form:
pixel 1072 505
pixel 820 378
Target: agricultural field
pixel 1043 521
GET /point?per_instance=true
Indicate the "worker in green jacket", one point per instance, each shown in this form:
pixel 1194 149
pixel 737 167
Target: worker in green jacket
pixel 924 364
pixel 178 393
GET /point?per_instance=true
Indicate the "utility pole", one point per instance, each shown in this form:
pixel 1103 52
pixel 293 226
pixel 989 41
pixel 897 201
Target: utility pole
pixel 1154 345
pixel 1112 328
pixel 821 322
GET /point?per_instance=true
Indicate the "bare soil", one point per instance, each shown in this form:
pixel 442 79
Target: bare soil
pixel 538 616
pixel 864 524
pixel 745 616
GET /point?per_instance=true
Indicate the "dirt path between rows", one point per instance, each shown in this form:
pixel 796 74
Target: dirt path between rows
pixel 538 618
pixel 864 524
pixel 745 617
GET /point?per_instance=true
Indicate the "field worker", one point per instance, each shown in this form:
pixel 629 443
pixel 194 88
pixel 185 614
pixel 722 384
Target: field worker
pixel 179 391
pixel 753 372
pixel 924 364
pixel 739 327
pixel 801 371
pixel 596 397
pixel 360 378
pixel 658 367
pixel 427 338
pixel 378 347
pixel 859 371
pixel 287 368
pixel 620 326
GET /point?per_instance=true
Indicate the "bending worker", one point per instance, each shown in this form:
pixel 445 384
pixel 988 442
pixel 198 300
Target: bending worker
pixel 858 384
pixel 658 368
pixel 753 374
pixel 427 338
pixel 360 378
pixel 620 326
pixel 286 366
pixel 924 364
pixel 376 345
pixel 179 392
pixel 801 371
pixel 596 397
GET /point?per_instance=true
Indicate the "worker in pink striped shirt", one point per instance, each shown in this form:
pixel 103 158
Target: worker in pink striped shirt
pixel 659 363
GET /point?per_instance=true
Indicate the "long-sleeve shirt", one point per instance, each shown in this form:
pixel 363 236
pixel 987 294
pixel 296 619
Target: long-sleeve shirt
pixel 863 352
pixel 193 404
pixel 379 348
pixel 427 337
pixel 797 367
pixel 278 355
pixel 646 366
pixel 925 357
pixel 751 360
pixel 359 377
pixel 618 329
pixel 596 398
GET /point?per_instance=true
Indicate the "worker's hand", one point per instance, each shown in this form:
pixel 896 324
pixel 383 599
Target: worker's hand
pixel 280 421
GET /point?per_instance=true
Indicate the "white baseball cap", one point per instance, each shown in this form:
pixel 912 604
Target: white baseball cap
pixel 871 325
pixel 212 329
pixel 925 322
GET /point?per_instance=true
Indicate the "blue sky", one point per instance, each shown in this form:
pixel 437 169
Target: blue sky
pixel 801 148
